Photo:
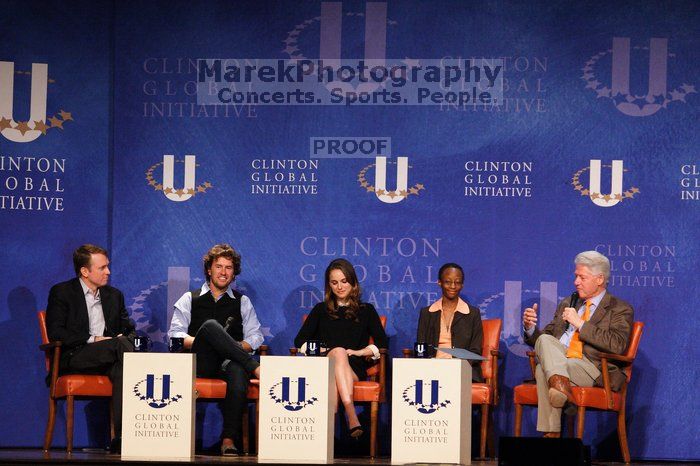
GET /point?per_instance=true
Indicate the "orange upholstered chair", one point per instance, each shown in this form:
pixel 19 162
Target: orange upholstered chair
pixel 603 398
pixel 485 394
pixel 600 398
pixel 215 389
pixel 372 390
pixel 70 387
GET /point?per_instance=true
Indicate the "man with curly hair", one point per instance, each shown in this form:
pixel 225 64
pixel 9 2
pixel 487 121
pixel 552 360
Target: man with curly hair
pixel 220 326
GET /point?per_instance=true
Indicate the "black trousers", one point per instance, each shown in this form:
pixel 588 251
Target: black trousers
pixel 104 357
pixel 220 356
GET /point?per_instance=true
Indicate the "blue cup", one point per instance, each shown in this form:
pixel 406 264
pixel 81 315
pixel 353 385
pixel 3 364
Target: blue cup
pixel 313 348
pixel 420 350
pixel 141 343
pixel 176 344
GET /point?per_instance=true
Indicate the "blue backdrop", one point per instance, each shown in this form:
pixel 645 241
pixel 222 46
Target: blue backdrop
pixel 511 192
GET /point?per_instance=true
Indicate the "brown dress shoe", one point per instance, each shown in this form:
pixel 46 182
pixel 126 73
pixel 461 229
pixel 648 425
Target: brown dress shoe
pixel 559 391
pixel 552 435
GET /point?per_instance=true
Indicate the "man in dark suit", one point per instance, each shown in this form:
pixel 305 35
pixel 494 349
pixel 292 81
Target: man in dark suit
pixel 90 318
pixel 568 348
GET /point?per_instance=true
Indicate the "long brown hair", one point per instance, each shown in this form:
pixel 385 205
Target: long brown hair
pixel 353 298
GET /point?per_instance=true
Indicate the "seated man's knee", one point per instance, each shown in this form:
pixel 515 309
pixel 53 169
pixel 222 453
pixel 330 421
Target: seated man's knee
pixel 543 340
pixel 211 324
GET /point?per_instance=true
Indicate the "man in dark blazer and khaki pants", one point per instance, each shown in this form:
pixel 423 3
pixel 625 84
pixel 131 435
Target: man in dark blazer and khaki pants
pixel 90 318
pixel 568 348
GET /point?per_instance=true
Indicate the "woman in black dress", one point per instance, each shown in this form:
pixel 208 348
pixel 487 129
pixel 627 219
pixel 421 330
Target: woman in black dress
pixel 451 322
pixel 345 325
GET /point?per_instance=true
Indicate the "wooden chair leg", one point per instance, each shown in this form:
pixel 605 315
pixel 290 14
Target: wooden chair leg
pixel 483 430
pixel 69 423
pixel 374 424
pixel 48 435
pixel 581 415
pixel 517 430
pixel 622 434
pixel 257 427
pixel 490 436
pixel 246 430
pixel 569 425
pixel 112 433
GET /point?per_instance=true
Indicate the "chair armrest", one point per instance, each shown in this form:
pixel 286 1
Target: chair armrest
pixel 383 354
pixel 293 351
pixel 50 346
pixel 407 353
pixel 54 359
pixel 533 364
pixel 606 374
pixel 616 357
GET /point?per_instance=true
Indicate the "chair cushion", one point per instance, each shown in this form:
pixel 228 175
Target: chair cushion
pixel 83 385
pixel 594 397
pixel 525 394
pixel 216 388
pixel 210 388
pixel 481 394
pixel 366 391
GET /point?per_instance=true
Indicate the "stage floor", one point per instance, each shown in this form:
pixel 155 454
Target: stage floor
pixel 79 457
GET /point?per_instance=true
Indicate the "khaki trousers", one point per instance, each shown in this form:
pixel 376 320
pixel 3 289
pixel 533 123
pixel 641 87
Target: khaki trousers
pixel 553 361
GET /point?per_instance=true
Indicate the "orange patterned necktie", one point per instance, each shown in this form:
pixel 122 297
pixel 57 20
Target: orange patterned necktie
pixel 576 345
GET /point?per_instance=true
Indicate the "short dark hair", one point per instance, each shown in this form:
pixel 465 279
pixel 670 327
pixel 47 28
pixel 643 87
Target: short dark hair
pixel 221 250
pixel 83 255
pixel 450 265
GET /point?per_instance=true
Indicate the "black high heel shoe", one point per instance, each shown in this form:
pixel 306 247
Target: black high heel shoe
pixel 356 432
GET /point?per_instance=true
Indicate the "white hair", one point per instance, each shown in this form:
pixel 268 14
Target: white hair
pixel 595 261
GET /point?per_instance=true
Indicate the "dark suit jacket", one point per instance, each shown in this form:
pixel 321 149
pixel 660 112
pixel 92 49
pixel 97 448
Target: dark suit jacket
pixel 67 317
pixel 608 331
pixel 467 333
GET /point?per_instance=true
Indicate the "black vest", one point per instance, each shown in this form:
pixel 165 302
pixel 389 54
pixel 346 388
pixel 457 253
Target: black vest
pixel 205 308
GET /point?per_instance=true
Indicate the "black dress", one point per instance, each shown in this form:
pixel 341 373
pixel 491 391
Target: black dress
pixel 344 333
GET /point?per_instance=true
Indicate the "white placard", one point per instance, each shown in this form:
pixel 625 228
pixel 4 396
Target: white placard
pixel 431 411
pixel 297 405
pixel 159 403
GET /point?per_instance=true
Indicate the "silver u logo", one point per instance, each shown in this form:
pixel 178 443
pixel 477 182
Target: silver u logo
pixel 375 39
pixel 658 65
pixel 401 180
pixel 178 195
pixel 513 308
pixel 615 196
pixel 37 103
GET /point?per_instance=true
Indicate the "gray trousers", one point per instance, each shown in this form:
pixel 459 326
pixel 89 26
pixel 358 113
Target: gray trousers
pixel 553 361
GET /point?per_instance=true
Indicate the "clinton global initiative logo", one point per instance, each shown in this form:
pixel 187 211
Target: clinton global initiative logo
pixel 424 395
pixel 618 88
pixel 167 184
pixel 155 391
pixel 379 188
pixel 512 301
pixel 594 190
pixel 291 393
pixel 37 124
